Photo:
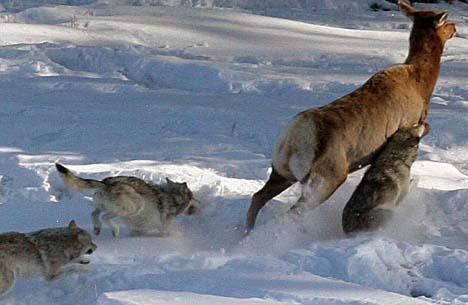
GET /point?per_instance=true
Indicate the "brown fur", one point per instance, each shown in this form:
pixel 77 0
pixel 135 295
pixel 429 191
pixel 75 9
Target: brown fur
pixel 322 146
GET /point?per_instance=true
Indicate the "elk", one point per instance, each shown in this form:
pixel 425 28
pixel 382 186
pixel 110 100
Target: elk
pixel 321 146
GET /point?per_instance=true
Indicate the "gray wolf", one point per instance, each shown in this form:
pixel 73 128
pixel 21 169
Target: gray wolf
pixel 43 253
pixel 321 146
pixel 385 183
pixel 142 206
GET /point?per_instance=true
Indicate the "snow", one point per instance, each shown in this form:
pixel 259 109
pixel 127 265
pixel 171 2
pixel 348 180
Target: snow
pixel 198 92
pixel 437 175
pixel 151 297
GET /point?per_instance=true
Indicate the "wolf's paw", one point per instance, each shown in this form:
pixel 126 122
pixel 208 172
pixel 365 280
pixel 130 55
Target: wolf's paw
pixel 137 233
pixel 171 233
pixel 296 210
pixel 413 183
pixel 116 232
pixel 176 233
pixel 164 234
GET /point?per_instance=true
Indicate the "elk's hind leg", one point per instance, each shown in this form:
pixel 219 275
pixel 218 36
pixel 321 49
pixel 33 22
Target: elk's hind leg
pixel 326 175
pixel 275 185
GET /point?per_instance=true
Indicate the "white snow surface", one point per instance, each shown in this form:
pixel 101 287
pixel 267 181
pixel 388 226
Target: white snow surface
pixel 185 90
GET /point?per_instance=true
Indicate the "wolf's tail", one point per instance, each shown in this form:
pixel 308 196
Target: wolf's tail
pixel 76 183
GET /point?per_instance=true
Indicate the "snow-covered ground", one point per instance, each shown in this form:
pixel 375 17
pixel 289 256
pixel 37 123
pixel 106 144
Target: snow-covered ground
pixel 201 95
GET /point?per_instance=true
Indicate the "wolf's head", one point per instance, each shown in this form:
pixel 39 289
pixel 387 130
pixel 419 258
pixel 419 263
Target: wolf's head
pixel 81 245
pixel 411 135
pixel 186 194
pixel 180 189
pixel 420 130
pixel 65 245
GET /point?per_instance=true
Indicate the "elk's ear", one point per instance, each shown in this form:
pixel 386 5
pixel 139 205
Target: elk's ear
pixel 407 9
pixel 440 19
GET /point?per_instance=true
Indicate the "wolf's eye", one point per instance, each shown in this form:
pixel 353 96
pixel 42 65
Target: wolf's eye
pixel 90 251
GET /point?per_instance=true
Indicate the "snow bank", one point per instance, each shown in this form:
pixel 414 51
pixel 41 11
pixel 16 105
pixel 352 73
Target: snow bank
pixel 15 6
pixel 256 5
pixel 153 72
pixel 448 177
pixel 388 264
pixel 151 297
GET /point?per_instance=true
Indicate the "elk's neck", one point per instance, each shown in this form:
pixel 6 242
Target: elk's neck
pixel 424 57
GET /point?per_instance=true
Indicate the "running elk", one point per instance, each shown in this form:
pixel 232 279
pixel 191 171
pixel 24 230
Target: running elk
pixel 321 146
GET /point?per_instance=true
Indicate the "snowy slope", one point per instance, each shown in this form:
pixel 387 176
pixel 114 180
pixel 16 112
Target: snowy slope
pixel 201 95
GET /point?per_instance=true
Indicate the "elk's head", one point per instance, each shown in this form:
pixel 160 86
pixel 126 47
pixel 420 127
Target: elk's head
pixel 429 25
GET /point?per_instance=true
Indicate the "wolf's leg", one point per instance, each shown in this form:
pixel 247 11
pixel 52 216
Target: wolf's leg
pixel 166 221
pixel 54 276
pixel 273 187
pixel 138 232
pixel 54 271
pixel 406 189
pixel 60 272
pixel 96 220
pixel 369 221
pixel 193 207
pixel 365 212
pixel 7 278
pixel 108 219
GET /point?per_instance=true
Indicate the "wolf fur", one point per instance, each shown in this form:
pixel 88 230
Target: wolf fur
pixel 321 146
pixel 142 206
pixel 385 183
pixel 42 253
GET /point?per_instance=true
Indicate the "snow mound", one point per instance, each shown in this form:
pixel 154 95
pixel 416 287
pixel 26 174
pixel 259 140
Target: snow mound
pixel 150 297
pixel 149 71
pixel 388 264
pixel 256 5
pixel 437 175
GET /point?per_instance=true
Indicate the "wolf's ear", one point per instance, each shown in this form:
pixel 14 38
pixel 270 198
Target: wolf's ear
pixel 72 225
pixel 440 19
pixel 417 131
pixel 427 129
pixel 407 9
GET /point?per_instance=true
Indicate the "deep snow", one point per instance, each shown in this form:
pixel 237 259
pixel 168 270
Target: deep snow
pixel 201 95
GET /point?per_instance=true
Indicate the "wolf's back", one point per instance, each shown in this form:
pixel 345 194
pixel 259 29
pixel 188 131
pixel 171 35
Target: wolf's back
pixel 75 182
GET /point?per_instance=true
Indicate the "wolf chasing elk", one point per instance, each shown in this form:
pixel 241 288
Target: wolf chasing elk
pixel 380 123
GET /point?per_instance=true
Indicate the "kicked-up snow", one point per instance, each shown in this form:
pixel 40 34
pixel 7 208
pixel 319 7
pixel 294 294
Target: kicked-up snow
pixel 201 95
